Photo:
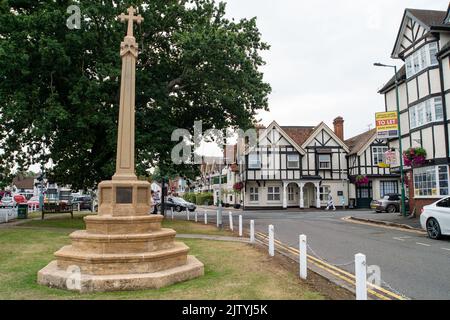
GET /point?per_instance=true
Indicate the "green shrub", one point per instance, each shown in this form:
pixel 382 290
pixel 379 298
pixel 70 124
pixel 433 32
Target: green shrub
pixel 190 197
pixel 203 198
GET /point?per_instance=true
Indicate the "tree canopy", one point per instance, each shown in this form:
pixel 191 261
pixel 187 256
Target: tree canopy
pixel 59 88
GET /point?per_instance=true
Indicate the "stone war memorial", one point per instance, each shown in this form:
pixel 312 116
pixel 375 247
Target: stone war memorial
pixel 123 247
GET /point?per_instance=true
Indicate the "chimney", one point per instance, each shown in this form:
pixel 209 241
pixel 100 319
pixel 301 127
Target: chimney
pixel 339 127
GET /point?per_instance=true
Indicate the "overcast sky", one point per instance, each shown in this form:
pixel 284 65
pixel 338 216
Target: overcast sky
pixel 320 64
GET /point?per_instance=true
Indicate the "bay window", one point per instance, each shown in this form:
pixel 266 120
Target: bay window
pixel 421 59
pixel 273 194
pixel 431 181
pixel 388 187
pixel 426 112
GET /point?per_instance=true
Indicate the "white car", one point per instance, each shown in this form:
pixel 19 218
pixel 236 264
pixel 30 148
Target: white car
pixel 435 218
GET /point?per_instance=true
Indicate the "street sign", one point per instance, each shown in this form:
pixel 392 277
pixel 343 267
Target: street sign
pixel 387 125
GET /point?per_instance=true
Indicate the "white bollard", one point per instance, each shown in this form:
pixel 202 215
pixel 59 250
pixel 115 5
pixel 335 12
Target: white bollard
pixel 252 231
pixel 271 241
pixel 230 215
pixel 206 218
pixel 196 217
pixel 79 207
pixel 187 214
pixel 171 209
pixel 240 225
pixel 217 218
pixel 303 257
pixel 361 276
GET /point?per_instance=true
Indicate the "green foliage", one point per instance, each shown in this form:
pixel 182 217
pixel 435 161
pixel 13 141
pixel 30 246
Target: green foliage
pixel 203 198
pixel 59 88
pixel 190 197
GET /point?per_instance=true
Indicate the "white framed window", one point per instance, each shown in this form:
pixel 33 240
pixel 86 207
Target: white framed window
pixel 273 194
pixel 291 194
pixel 324 193
pixel 324 161
pixel 388 187
pixel 293 161
pixel 378 154
pixel 254 161
pixel 254 194
pixel 431 181
pixel 421 59
pixel 426 112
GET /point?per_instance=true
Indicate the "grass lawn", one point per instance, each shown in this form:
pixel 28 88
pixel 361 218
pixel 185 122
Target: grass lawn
pixel 64 221
pixel 232 270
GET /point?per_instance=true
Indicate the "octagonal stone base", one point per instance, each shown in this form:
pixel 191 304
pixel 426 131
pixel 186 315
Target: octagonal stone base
pixel 54 277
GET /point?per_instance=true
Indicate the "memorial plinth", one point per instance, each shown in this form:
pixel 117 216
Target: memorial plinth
pixel 123 247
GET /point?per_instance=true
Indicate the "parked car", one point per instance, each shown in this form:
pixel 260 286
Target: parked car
pixel 84 201
pixel 34 201
pixel 179 204
pixel 390 203
pixel 435 219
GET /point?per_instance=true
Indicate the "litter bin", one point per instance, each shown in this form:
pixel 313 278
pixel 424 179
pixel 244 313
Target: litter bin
pixel 22 211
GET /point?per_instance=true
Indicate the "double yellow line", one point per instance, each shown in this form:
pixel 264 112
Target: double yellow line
pixel 374 290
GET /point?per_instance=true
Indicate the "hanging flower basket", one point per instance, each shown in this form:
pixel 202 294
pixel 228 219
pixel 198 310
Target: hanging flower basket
pixel 362 180
pixel 238 186
pixel 415 157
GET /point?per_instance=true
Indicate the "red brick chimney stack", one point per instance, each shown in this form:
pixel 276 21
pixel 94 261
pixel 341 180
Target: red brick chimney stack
pixel 339 127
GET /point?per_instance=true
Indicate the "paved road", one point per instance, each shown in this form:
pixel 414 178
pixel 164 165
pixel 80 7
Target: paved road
pixel 410 263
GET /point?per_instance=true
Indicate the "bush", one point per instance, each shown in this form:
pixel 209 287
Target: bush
pixel 203 198
pixel 190 197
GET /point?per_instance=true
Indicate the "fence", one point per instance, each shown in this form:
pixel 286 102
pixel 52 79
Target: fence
pixel 8 215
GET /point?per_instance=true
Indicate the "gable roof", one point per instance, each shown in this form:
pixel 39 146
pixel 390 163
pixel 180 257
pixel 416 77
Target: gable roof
pixel 428 19
pixel 401 76
pixel 298 134
pixel 289 138
pixel 431 18
pixel 323 126
pixel 23 183
pixel 358 142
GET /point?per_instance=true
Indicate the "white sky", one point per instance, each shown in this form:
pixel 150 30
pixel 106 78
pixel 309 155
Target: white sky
pixel 320 64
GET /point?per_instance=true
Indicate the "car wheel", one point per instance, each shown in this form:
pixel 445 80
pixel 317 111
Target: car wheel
pixel 433 229
pixel 391 209
pixel 178 209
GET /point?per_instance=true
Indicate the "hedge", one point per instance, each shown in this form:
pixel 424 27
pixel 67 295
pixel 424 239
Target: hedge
pixel 199 198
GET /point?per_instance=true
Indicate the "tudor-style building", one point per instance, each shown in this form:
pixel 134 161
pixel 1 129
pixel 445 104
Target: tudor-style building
pixel 295 167
pixel 423 43
pixel 366 155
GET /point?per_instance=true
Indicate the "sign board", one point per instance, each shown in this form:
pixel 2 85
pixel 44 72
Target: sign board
pixel 390 158
pixel 387 125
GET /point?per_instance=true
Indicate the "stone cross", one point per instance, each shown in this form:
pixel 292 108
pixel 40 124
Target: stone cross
pixel 131 18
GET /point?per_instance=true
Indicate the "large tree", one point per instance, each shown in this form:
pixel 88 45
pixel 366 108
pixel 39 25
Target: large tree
pixel 59 88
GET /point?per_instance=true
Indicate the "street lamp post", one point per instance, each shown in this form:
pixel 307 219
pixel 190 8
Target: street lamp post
pixel 402 172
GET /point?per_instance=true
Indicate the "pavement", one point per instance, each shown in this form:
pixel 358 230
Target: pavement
pixel 393 219
pixel 411 264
